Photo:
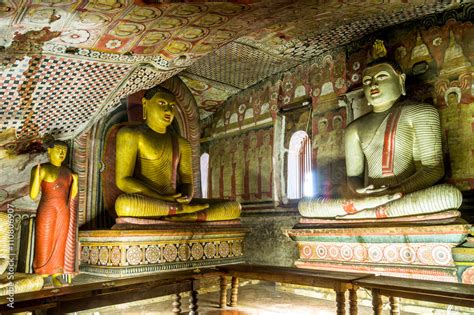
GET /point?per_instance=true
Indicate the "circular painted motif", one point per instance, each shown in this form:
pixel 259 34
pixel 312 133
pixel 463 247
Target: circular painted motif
pixel 468 276
pixel 94 255
pixel 441 255
pixel 242 108
pixel 360 253
pixel 334 252
pixel 321 251
pixel 103 255
pixel 307 251
pixel 346 252
pixel 356 65
pixel 152 254
pixel 375 253
pixel 85 254
pixel 170 252
pixel 237 248
pixel 115 256
pixel 390 253
pixel 183 252
pixel 424 254
pixel 134 255
pixel 197 251
pixel 75 37
pixel 224 249
pixel 355 77
pixel 210 250
pixel 407 254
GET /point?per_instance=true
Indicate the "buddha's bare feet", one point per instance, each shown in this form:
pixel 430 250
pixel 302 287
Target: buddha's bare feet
pixel 374 202
pixel 194 208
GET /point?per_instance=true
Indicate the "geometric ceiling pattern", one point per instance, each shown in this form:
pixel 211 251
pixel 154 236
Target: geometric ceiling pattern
pixel 64 64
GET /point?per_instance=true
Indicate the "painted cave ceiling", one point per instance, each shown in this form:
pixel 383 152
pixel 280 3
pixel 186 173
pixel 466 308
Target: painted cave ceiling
pixel 66 64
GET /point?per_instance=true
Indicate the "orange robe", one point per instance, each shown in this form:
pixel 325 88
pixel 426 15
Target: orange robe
pixel 56 226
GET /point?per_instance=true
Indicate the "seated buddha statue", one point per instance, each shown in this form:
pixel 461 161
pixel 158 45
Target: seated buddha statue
pixel 393 156
pixel 153 169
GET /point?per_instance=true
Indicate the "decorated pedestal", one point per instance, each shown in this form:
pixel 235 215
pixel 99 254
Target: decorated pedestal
pixel 400 250
pixel 118 253
pixel 463 256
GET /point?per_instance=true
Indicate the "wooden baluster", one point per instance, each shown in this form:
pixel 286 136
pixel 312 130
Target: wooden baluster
pixel 223 297
pixel 193 303
pixel 353 301
pixel 394 305
pixel 341 301
pixel 234 291
pixel 377 302
pixel 177 304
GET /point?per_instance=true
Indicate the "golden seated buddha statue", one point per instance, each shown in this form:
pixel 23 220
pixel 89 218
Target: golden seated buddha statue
pixel 393 156
pixel 153 169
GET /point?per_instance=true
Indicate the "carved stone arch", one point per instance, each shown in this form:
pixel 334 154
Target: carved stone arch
pixel 187 117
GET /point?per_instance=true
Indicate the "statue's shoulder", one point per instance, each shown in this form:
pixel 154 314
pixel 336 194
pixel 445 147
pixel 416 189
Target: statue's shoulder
pixel 181 140
pixel 417 109
pixel 131 129
pixel 360 121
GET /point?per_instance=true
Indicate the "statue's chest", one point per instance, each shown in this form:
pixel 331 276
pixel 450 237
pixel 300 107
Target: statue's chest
pixel 155 148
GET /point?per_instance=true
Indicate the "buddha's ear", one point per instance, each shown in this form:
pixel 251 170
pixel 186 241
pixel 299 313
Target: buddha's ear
pixel 144 102
pixel 402 78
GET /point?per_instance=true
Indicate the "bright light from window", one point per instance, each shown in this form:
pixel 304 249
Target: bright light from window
pixel 308 185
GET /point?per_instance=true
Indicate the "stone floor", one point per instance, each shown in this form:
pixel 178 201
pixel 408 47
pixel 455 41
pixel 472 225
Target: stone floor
pixel 262 298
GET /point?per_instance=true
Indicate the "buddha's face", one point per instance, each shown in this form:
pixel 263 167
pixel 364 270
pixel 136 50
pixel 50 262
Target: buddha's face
pixel 160 109
pixel 382 85
pixel 57 154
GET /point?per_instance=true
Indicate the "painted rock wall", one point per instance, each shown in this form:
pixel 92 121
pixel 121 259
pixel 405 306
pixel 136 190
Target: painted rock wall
pixel 436 53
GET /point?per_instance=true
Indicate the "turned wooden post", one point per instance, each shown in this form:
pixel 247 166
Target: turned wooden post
pixel 377 302
pixel 394 305
pixel 193 303
pixel 353 301
pixel 177 304
pixel 234 291
pixel 223 297
pixel 341 302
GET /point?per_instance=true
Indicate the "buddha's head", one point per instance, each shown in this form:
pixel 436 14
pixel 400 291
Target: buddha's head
pixel 383 83
pixel 57 151
pixel 159 107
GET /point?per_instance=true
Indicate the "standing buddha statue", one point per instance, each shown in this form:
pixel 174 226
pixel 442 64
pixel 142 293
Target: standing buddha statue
pixel 56 218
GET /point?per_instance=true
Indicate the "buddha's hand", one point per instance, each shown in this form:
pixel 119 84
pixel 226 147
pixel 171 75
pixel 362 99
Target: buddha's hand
pixel 369 190
pixel 183 199
pixel 376 201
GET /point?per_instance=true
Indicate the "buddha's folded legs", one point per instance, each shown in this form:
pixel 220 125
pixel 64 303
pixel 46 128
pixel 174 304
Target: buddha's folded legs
pixel 134 205
pixel 223 210
pixel 429 200
pixel 330 208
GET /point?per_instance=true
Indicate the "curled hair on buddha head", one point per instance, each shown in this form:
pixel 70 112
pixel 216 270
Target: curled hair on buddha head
pixel 54 143
pixel 392 63
pixel 157 89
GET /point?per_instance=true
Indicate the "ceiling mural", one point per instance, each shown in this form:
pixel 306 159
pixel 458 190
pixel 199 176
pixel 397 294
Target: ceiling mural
pixel 65 64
